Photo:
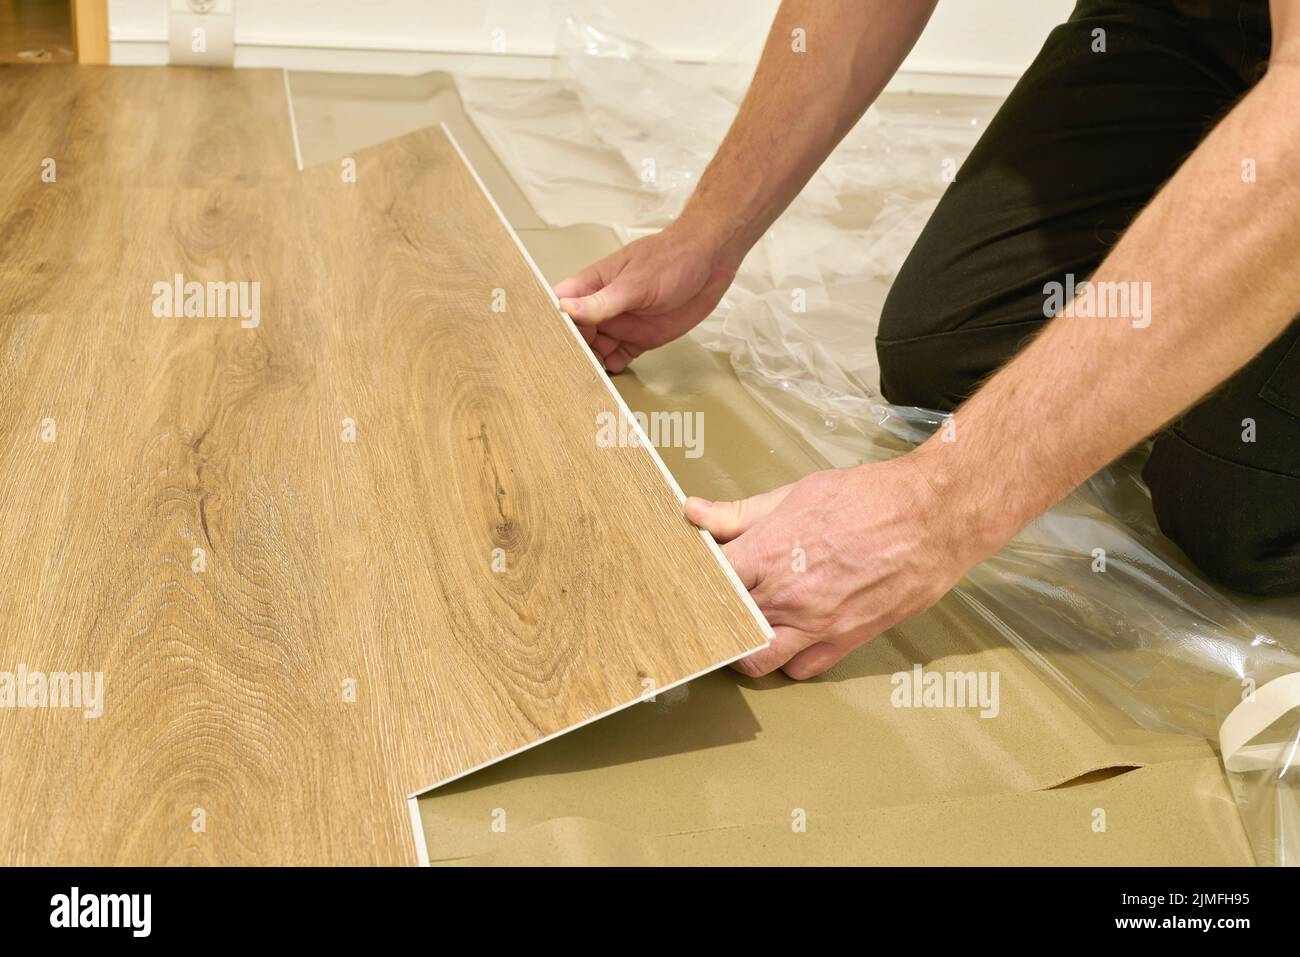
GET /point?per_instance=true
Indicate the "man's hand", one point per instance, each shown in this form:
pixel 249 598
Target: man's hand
pixel 797 108
pixel 648 293
pixel 841 556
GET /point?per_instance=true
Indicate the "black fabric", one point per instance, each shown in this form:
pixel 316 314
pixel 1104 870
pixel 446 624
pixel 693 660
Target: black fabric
pixel 1078 149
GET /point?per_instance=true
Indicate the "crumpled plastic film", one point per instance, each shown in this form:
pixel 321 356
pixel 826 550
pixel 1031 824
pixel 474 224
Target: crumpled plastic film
pixel 1089 592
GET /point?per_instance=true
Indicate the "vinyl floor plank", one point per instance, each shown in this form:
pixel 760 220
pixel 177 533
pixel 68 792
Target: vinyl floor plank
pixel 322 561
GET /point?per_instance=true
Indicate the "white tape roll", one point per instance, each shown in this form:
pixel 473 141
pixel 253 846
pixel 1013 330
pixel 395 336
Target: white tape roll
pixel 1253 717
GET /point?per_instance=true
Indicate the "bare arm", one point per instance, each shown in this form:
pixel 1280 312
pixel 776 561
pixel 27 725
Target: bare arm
pixel 1219 253
pixel 809 90
pixel 1220 256
pixel 799 106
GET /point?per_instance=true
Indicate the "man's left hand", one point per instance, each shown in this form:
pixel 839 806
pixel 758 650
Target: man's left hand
pixel 840 556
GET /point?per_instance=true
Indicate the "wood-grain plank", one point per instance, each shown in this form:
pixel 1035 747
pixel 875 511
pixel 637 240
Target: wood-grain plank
pixel 352 636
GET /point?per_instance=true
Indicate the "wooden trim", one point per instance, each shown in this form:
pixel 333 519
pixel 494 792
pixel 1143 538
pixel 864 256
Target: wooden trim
pixel 90 30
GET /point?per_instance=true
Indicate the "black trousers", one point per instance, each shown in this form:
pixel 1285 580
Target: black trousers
pixel 1081 145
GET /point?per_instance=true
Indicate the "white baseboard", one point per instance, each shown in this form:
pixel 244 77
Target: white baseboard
pixel 131 50
pixel 137 52
pixel 957 84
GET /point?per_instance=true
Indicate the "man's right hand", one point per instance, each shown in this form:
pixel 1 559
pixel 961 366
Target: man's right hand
pixel 648 293
pixel 797 108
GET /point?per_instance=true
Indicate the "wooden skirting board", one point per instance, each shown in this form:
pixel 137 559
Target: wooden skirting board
pixel 354 540
pixel 90 30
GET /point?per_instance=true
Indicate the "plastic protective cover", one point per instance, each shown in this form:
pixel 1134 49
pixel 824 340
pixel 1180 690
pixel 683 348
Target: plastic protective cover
pixel 1090 592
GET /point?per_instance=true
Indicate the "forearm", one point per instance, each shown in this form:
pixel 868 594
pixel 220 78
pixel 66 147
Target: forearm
pixel 799 106
pixel 1219 254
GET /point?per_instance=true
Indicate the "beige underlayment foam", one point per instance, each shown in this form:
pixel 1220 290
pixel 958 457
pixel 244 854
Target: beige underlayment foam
pixel 718 771
pixel 1176 813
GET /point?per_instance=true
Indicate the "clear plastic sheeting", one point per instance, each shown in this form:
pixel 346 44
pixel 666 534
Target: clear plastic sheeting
pixel 1090 592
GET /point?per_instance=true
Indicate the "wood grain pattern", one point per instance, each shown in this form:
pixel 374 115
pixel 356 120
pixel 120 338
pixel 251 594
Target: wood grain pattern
pixel 37 31
pixel 331 565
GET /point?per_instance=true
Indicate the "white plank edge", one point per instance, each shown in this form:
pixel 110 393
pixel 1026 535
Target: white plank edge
pixel 293 120
pixel 421 845
pixel 417 831
pixel 422 851
pixel 642 438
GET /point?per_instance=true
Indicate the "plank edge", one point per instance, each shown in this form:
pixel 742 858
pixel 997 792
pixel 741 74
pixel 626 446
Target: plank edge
pixel 293 120
pixel 417 832
pixel 429 788
pixel 642 438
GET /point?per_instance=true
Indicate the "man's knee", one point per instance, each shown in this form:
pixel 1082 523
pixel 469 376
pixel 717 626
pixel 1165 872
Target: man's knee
pixel 1239 526
pixel 934 360
pixel 910 351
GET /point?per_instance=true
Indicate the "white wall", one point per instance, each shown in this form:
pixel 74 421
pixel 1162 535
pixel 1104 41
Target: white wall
pixel 979 38
pixel 986 37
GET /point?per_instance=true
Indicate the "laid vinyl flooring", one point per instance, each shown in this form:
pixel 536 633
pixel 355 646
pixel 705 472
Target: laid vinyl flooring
pixel 326 554
pixel 36 31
